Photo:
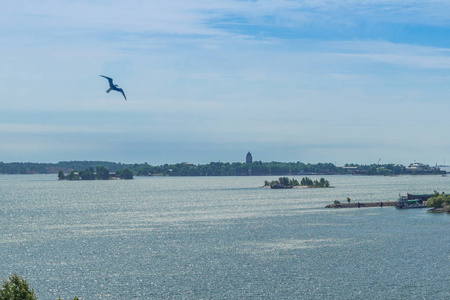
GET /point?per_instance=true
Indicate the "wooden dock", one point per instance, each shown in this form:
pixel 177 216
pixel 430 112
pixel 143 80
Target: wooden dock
pixel 361 204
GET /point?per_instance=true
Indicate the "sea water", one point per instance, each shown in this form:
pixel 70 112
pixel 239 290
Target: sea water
pixel 222 238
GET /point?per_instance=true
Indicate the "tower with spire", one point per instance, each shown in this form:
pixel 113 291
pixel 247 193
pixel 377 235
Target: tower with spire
pixel 248 158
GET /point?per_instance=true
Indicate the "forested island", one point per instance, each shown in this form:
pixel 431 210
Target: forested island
pixel 100 173
pixel 221 169
pixel 285 182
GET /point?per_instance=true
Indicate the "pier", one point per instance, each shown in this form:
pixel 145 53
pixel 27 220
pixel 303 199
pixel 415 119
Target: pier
pixel 361 204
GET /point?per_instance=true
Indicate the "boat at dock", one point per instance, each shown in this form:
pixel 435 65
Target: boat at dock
pixel 412 201
pixel 279 186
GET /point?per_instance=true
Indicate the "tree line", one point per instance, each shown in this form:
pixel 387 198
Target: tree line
pixel 439 201
pixel 322 183
pixel 211 169
pixel 99 173
pixel 285 181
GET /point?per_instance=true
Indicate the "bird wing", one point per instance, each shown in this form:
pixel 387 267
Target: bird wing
pixel 111 84
pixel 120 90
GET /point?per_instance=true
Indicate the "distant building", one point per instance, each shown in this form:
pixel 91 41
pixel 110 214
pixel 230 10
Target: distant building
pixel 248 158
pixel 350 168
pixel 424 168
pixel 418 167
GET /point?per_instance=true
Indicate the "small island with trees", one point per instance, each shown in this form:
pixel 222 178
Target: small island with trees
pixel 286 183
pixel 439 203
pixel 99 173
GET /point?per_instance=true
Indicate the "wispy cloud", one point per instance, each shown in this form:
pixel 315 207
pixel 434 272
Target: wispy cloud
pixel 313 75
pixel 13 128
pixel 414 56
pixel 196 17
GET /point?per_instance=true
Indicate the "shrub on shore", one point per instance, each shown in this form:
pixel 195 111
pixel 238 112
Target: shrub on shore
pixel 438 200
pixel 17 288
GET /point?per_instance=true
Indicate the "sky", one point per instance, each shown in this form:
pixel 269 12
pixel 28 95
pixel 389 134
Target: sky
pixel 312 81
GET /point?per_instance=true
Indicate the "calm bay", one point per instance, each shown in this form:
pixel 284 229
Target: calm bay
pixel 222 238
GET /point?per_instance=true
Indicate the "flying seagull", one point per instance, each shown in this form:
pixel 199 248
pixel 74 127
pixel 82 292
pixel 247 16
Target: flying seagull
pixel 114 87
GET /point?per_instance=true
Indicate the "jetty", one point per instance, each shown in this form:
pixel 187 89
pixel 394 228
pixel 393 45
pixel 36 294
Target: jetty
pixel 408 201
pixel 361 204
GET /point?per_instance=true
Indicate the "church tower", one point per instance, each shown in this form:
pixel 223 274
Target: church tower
pixel 248 158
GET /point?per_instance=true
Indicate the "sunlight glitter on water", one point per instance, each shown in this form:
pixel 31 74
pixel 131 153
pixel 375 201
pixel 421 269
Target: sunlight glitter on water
pixel 219 237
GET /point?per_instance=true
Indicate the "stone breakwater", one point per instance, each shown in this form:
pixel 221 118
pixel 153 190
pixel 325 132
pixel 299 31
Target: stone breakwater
pixel 439 210
pixel 380 204
pixel 361 204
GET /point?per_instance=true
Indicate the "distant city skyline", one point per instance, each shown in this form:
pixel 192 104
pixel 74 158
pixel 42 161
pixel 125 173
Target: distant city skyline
pixel 316 81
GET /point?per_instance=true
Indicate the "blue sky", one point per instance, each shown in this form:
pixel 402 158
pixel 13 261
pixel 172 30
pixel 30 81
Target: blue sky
pixel 311 81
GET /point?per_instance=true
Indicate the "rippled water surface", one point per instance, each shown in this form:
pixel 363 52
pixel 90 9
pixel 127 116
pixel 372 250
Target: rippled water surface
pixel 222 238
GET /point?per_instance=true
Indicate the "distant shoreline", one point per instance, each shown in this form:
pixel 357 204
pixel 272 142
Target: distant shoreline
pixel 256 168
